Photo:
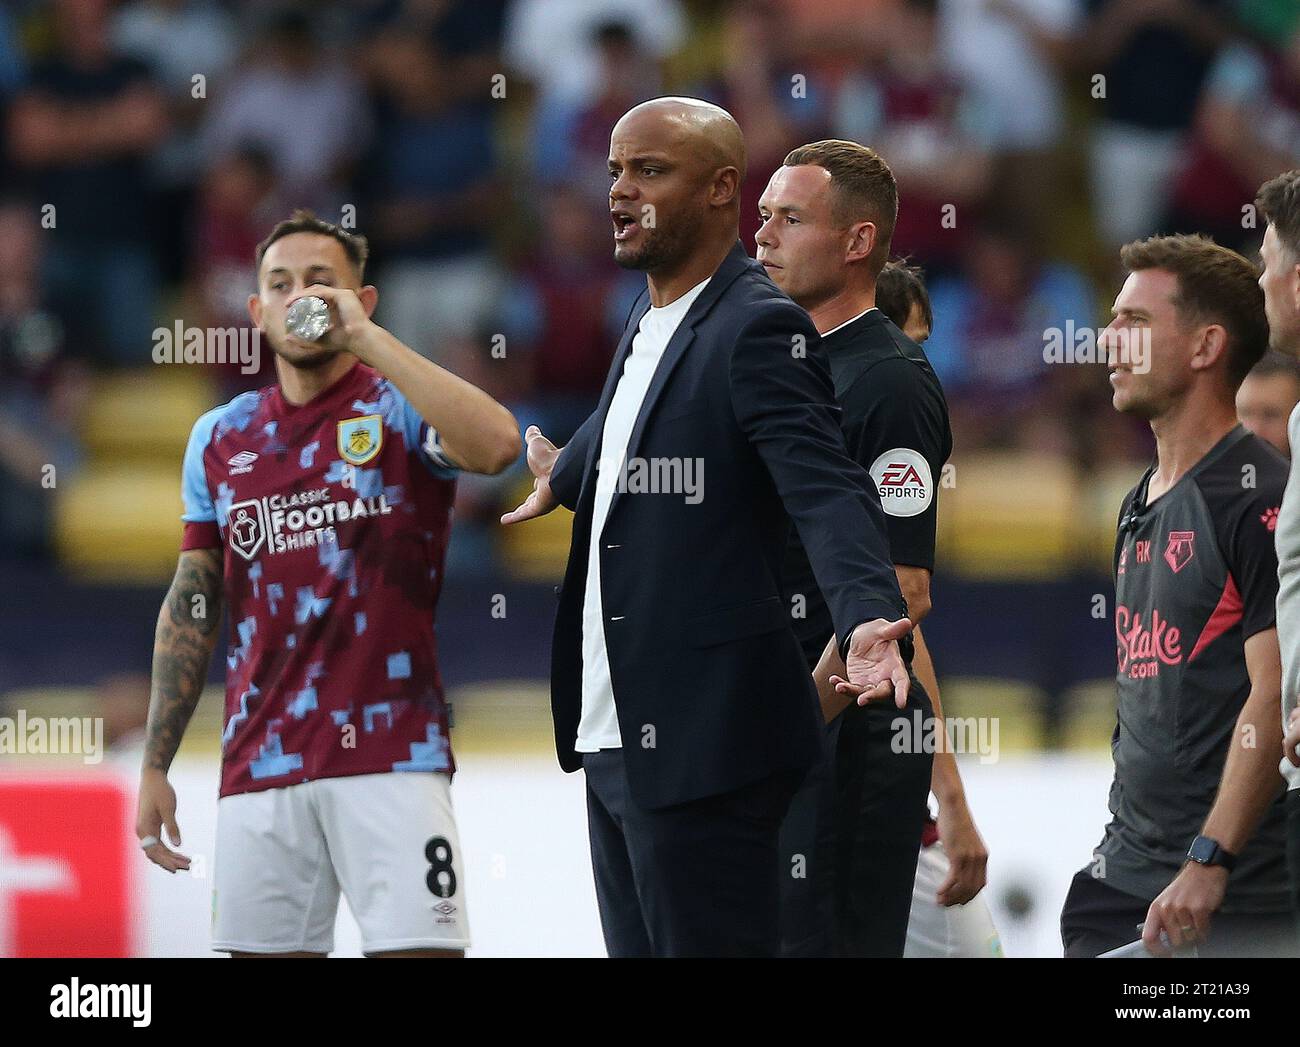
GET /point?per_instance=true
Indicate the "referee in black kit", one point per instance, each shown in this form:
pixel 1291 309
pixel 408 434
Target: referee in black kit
pixel 850 842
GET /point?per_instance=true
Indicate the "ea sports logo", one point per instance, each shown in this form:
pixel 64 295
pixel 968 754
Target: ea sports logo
pixel 246 527
pixel 904 481
pixel 899 474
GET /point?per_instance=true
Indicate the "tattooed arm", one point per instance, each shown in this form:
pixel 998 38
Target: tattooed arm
pixel 187 632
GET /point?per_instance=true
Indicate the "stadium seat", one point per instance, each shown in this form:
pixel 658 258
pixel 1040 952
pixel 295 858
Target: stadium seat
pixel 1017 707
pixel 505 716
pixel 120 522
pixel 146 414
pixel 538 550
pixel 1101 498
pixel 119 518
pixel 1088 717
pixel 202 736
pixel 1010 515
pixel 49 701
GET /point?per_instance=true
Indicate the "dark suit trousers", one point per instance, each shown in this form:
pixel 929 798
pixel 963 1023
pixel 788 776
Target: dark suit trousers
pixel 694 879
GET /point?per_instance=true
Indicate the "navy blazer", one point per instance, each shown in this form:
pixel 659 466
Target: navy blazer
pixel 711 687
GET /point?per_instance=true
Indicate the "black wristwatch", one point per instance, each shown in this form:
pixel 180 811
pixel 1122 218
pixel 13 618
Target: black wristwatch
pixel 1206 851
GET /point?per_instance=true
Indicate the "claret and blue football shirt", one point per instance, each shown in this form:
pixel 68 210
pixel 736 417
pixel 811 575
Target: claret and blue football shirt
pixel 333 517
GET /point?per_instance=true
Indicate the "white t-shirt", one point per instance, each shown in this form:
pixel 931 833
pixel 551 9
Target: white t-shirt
pixel 598 728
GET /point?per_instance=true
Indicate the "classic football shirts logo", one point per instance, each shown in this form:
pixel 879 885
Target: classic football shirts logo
pixel 284 523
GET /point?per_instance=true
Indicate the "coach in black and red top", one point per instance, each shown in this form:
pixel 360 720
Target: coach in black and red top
pixel 1195 850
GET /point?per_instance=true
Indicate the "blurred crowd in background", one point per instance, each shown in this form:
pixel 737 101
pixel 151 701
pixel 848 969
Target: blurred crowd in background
pixel 148 145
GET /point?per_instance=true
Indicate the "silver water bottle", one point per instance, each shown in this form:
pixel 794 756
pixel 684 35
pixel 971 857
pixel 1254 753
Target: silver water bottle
pixel 308 318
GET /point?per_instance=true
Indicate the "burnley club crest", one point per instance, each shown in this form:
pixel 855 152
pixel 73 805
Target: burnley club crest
pixel 361 438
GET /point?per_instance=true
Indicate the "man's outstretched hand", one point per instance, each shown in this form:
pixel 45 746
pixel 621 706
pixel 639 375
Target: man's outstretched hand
pixel 541 460
pixel 874 666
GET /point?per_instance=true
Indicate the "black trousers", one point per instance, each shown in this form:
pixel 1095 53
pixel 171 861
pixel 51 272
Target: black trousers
pixel 1097 918
pixel 695 879
pixel 850 842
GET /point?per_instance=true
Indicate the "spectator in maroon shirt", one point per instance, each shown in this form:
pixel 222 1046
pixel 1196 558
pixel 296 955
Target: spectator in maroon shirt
pixel 932 127
pixel 1247 130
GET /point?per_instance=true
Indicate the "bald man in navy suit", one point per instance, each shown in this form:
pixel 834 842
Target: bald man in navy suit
pixel 677 683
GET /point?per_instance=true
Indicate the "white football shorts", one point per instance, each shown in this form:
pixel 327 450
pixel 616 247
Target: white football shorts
pixel 387 840
pixel 947 932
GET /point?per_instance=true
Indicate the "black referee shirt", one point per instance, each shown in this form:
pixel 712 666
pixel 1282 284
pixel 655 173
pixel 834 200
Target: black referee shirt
pixel 1195 578
pixel 895 423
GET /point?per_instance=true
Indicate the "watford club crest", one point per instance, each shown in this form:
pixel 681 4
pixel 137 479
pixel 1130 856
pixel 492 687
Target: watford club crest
pixel 360 438
pixel 1178 553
